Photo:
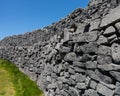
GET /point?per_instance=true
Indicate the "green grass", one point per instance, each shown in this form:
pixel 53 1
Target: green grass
pixel 15 83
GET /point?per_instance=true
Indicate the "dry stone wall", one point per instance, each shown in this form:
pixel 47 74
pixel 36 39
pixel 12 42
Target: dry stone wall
pixel 83 59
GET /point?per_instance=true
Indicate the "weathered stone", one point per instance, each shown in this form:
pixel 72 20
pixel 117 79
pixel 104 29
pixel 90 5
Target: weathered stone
pixel 80 28
pixel 86 37
pixel 53 53
pixel 117 25
pixel 94 24
pixel 109 31
pixel 93 75
pixel 104 90
pixel 79 77
pixel 116 75
pixel 109 67
pixel 79 64
pixel 73 92
pixel 91 65
pixel 117 90
pixel 79 70
pixel 87 81
pixel 86 57
pixel 71 82
pixel 70 57
pixel 103 59
pixel 102 40
pixel 91 92
pixel 103 77
pixel 81 86
pixel 91 36
pixel 93 84
pixel 64 93
pixel 71 71
pixel 64 49
pixel 111 18
pixel 77 48
pixel 104 50
pixel 79 38
pixel 66 74
pixel 67 35
pixel 112 38
pixel 89 48
pixel 116 52
pixel 58 46
pixel 110 86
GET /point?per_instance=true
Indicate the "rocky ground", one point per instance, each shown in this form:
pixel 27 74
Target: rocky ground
pixel 77 56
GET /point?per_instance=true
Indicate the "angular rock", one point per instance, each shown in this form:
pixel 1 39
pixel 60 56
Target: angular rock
pixel 117 90
pixel 86 37
pixel 89 48
pixel 79 64
pixel 94 24
pixel 111 18
pixel 71 71
pixel 109 31
pixel 112 38
pixel 93 84
pixel 86 57
pixel 73 91
pixel 116 75
pixel 67 35
pixel 104 50
pixel 79 77
pixel 104 90
pixel 103 59
pixel 80 28
pixel 109 67
pixel 70 57
pixel 91 65
pixel 64 93
pixel 117 25
pixel 116 52
pixel 87 81
pixel 79 38
pixel 106 78
pixel 81 86
pixel 91 92
pixel 91 36
pixel 93 75
pixel 71 82
pixel 53 53
pixel 79 70
pixel 110 86
pixel 64 49
pixel 102 40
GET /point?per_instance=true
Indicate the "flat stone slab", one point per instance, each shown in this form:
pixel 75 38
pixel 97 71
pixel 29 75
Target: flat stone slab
pixel 112 17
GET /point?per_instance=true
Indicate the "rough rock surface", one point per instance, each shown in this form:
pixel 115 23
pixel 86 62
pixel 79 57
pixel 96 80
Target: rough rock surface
pixel 77 56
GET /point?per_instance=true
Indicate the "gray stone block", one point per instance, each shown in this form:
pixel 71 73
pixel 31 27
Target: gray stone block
pixel 70 56
pixel 116 52
pixel 109 67
pixel 111 18
pixel 109 31
pixel 104 50
pixel 91 65
pixel 104 90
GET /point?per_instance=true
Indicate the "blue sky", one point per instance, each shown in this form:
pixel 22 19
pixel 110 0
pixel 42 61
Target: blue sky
pixel 20 16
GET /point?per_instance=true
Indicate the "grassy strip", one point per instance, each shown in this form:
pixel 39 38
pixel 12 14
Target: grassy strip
pixel 23 86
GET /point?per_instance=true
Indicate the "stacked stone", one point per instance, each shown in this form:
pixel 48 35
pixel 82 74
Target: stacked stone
pixel 82 60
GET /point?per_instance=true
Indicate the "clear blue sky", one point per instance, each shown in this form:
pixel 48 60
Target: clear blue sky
pixel 20 16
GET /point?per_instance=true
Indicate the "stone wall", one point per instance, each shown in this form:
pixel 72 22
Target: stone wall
pixel 82 59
